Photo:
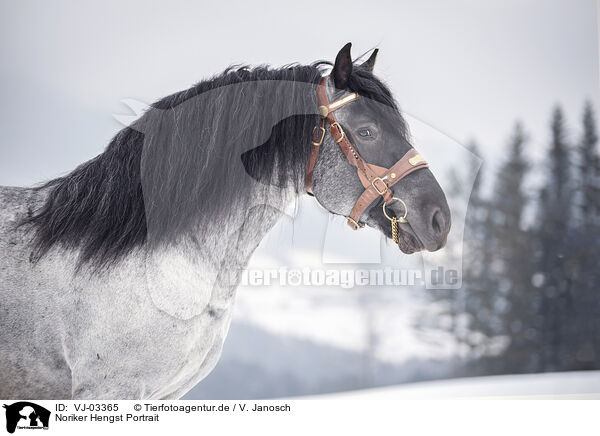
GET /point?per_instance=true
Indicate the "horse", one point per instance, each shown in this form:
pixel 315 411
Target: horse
pixel 117 280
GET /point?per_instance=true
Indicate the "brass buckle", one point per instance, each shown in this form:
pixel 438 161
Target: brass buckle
pixel 320 141
pixel 357 226
pixel 339 129
pixel 379 191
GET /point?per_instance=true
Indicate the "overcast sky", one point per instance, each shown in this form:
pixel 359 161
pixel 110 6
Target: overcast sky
pixel 466 68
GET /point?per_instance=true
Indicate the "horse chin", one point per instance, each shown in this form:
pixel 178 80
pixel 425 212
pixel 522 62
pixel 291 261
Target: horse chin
pixel 407 243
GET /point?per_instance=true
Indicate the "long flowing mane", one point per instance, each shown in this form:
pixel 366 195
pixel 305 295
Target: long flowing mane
pixel 180 164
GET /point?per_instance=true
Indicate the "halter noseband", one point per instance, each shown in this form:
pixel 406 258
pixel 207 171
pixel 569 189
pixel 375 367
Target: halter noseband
pixel 376 180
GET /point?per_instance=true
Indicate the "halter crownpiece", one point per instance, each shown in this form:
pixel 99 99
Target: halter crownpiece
pixel 376 180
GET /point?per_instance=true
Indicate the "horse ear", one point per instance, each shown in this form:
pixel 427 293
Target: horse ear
pixel 370 63
pixel 342 67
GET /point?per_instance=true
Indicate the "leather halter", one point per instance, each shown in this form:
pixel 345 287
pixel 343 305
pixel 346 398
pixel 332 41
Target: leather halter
pixel 376 180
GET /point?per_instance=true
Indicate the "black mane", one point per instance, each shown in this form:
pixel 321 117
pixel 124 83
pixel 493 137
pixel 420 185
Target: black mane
pixel 171 169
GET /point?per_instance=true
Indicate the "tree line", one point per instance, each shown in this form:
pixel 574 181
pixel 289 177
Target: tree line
pixel 530 300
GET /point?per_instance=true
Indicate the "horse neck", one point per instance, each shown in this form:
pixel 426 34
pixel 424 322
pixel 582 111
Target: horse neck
pixel 222 248
pixel 235 196
pixel 203 269
pixel 237 235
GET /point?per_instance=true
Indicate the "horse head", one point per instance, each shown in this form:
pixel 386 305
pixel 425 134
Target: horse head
pixel 371 124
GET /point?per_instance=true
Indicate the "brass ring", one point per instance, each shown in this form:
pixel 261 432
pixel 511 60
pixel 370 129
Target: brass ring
pixel 401 219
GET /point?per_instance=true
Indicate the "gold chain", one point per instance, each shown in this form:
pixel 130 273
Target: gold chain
pixel 395 229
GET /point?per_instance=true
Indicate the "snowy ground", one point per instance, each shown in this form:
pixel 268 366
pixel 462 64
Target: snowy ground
pixel 558 385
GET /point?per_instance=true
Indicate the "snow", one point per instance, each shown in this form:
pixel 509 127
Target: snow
pixel 557 385
pixel 344 319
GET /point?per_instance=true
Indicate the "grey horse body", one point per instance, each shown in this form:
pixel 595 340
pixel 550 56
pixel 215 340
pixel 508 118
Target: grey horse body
pixel 151 326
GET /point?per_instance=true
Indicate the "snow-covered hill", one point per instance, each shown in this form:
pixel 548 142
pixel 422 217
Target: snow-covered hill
pixel 556 385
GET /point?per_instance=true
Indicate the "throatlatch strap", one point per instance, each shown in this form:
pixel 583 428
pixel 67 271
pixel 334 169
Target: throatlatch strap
pixel 318 135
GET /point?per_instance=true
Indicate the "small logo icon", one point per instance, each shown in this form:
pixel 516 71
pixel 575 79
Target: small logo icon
pixel 26 415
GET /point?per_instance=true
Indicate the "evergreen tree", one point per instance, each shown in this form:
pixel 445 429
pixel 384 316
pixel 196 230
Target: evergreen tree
pixel 468 314
pixel 481 302
pixel 589 201
pixel 584 329
pixel 535 282
pixel 514 253
pixel 554 218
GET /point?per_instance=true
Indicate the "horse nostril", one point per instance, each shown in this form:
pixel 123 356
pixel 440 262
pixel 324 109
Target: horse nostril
pixel 437 222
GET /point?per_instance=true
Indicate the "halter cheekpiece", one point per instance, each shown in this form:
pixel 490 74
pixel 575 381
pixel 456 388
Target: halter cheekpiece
pixel 376 180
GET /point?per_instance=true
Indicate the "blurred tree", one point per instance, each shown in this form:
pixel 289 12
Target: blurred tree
pixel 588 169
pixel 554 221
pixel 469 315
pixel 582 333
pixel 530 299
pixel 481 304
pixel 513 252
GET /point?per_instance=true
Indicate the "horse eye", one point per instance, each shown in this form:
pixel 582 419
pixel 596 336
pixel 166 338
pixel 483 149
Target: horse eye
pixel 365 133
